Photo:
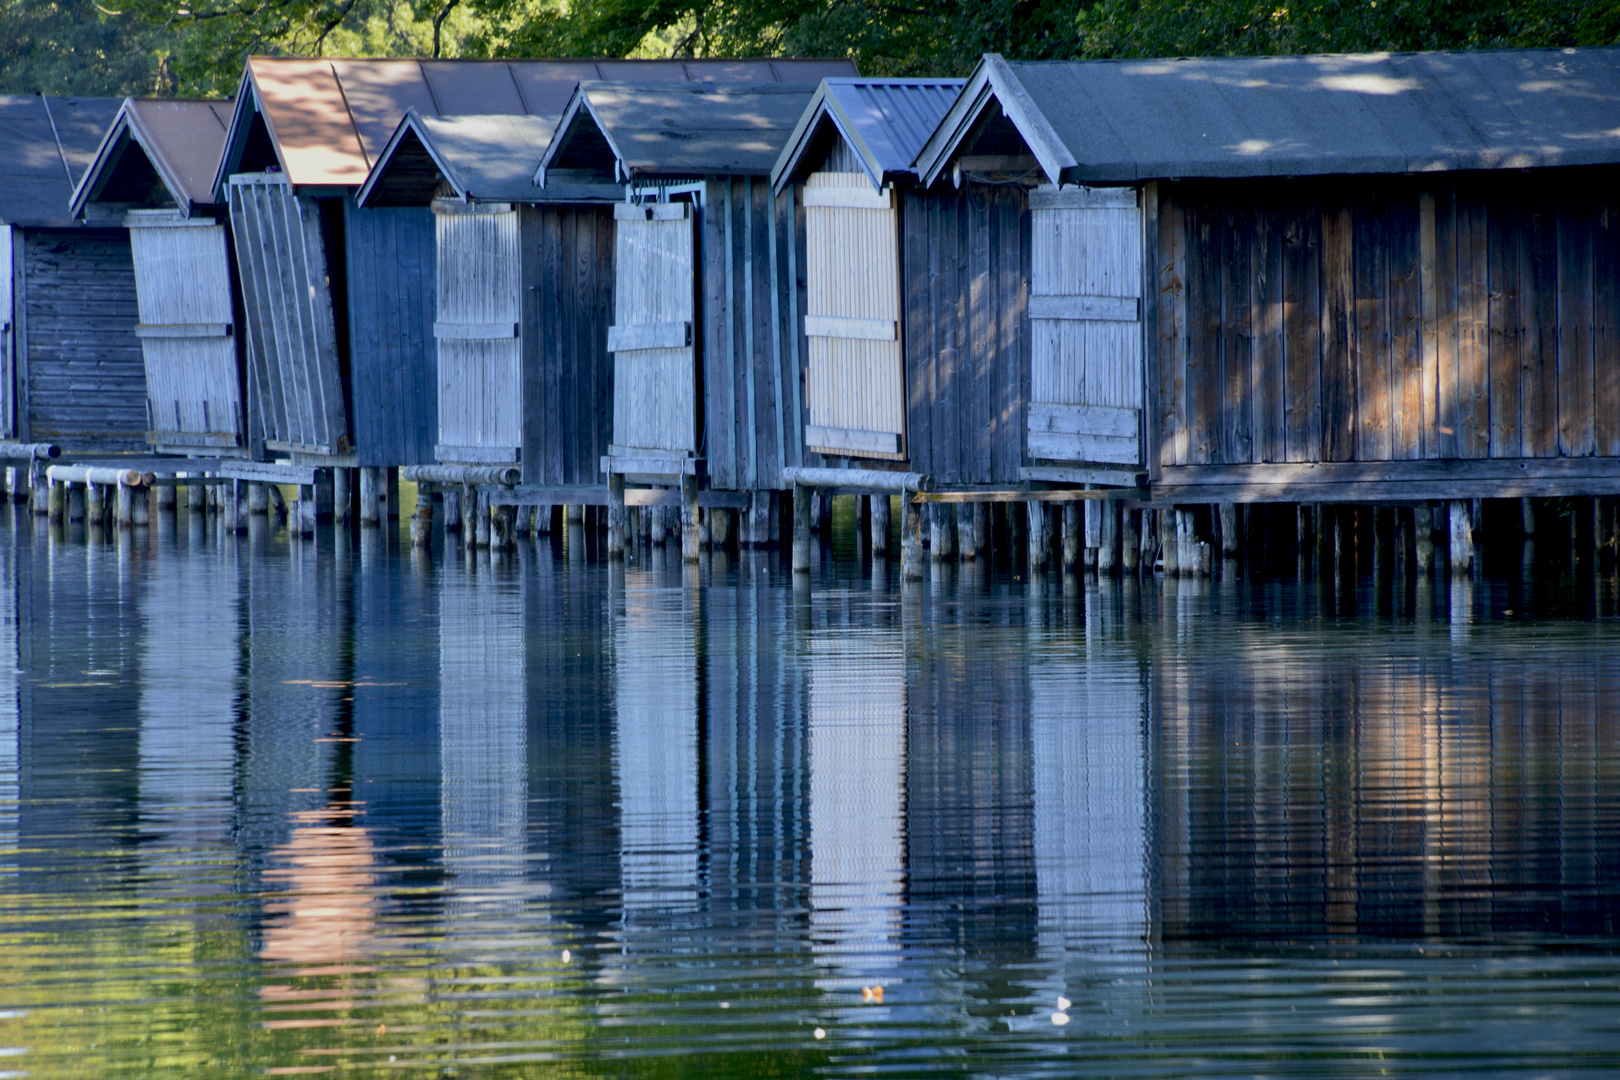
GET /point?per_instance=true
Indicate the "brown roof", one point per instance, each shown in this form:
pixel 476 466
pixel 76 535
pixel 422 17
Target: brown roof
pixel 181 142
pixel 330 119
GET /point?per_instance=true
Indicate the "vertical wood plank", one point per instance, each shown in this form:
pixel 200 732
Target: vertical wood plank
pixel 1203 330
pixel 1406 349
pixel 1473 377
pixel 1338 373
pixel 1503 262
pixel 1446 298
pixel 1575 376
pixel 1172 292
pixel 1606 330
pixel 1234 442
pixel 1153 314
pixel 1538 386
pixel 1429 324
pixel 1270 354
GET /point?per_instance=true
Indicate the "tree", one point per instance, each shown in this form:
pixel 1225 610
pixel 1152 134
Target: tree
pixel 73 47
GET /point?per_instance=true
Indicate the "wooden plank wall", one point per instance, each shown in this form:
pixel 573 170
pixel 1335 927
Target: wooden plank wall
pixel 391 272
pixel 1394 319
pixel 296 383
pixel 84 374
pixel 479 373
pixel 567 371
pixel 965 280
pixel 753 301
pixel 8 331
pixel 655 388
pixel 193 374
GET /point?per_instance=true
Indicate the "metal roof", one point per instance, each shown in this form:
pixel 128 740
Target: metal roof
pixel 46 143
pixel 634 131
pixel 1112 121
pixel 329 120
pixel 482 158
pixel 181 143
pixel 884 121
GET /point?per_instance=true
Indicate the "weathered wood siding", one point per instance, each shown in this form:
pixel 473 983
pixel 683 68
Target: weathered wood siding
pixel 8 332
pixel 855 372
pixel 652 338
pixel 966 273
pixel 1396 319
pixel 188 334
pixel 80 362
pixel 293 359
pixel 753 336
pixel 1086 379
pixel 480 377
pixel 391 271
pixel 568 268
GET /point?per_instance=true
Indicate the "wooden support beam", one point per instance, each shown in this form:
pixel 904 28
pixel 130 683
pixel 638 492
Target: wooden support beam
pixel 911 549
pixel 802 497
pixel 690 548
pixel 617 534
pixel 879 525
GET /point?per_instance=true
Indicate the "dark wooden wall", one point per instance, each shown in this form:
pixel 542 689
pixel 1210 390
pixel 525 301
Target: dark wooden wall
pixel 1468 316
pixel 965 272
pixel 81 369
pixel 753 345
pixel 567 301
pixel 390 264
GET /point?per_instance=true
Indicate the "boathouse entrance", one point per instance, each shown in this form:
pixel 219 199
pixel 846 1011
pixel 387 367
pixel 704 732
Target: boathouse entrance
pixel 480 358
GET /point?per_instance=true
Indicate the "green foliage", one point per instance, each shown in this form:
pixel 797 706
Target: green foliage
pixel 73 47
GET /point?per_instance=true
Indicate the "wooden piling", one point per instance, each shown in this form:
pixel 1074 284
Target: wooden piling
pixel 1527 517
pixel 1231 536
pixel 95 504
pixel 421 519
pixel 371 508
pixel 617 531
pixel 691 549
pixel 911 547
pixel 1423 539
pixel 720 527
pixel 142 512
pixel 196 494
pixel 1461 537
pixel 502 528
pixel 341 495
pixel 1108 539
pixel 1073 534
pixel 306 513
pixel 542 519
pixel 758 531
pixel 574 514
pixel 1092 540
pixel 1035 513
pixel 57 500
pixel 1130 540
pixel 879 525
pixel 973 530
pixel 943 541
pixel 278 502
pixel 802 498
pixel 75 502
pixel 258 498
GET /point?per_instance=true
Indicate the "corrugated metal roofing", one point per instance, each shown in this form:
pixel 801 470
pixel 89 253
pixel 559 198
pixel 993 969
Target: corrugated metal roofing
pixel 884 121
pixel 46 144
pixel 181 139
pixel 330 119
pixel 674 131
pixel 1118 121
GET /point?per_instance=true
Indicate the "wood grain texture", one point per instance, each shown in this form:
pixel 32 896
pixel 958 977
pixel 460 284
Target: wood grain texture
pixel 480 373
pixel 654 396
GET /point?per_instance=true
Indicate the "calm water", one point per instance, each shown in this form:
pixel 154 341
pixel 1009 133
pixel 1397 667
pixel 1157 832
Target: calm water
pixel 319 808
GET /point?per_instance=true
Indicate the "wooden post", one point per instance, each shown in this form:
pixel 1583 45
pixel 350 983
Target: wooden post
pixel 341 496
pixel 542 519
pixel 371 497
pixel 1073 534
pixel 451 498
pixel 706 532
pixel 165 498
pixel 123 506
pixel 974 521
pixel 196 498
pixel 39 488
pixel 58 500
pixel 1230 536
pixel 759 519
pixel 323 494
pixel 1423 539
pixel 880 525
pixel 575 515
pixel 1192 557
pixel 616 516
pixel 95 504
pixel 1093 536
pixel 911 549
pixel 720 527
pixel 1108 546
pixel 278 502
pixel 258 498
pixel 302 522
pixel 802 498
pixel 421 519
pixel 1461 537
pixel 943 541
pixel 1302 531
pixel 75 502
pixel 691 550
pixel 1169 543
pixel 1130 539
pixel 502 527
pixel 1039 542
pixel 475 505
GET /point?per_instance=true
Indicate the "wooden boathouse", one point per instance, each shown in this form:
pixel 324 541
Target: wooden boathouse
pixel 706 338
pixel 1384 278
pixel 71 374
pixel 525 283
pixel 154 172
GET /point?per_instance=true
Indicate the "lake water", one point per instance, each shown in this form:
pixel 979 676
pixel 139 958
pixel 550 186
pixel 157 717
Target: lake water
pixel 330 808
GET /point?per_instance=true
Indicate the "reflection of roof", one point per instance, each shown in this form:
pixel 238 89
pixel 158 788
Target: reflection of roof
pixel 330 119
pixel 1116 120
pixel 640 130
pixel 42 142
pixel 885 122
pixel 483 158
pixel 181 141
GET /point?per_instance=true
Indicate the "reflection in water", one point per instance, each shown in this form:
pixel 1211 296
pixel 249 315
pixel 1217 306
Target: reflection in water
pixel 10 710
pixel 321 914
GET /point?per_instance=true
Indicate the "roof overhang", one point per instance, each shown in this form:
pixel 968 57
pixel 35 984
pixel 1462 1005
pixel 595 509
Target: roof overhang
pixel 993 84
pixel 236 136
pixel 579 115
pixel 410 127
pixel 128 127
pixel 825 109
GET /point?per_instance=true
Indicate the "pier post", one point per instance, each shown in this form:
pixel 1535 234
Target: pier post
pixel 502 527
pixel 1461 536
pixel 1130 540
pixel 165 499
pixel 422 518
pixel 1039 542
pixel 371 497
pixel 720 527
pixel 616 516
pixel 123 506
pixel 57 504
pixel 575 515
pixel 278 502
pixel 944 538
pixel 880 526
pixel 1073 535
pixel 95 503
pixel 758 533
pixel 977 544
pixel 802 498
pixel 303 523
pixel 341 496
pixel 452 509
pixel 476 504
pixel 911 549
pixel 1231 538
pixel 542 520
pixel 706 526
pixel 691 550
pixel 1093 535
pixel 196 496
pixel 1169 545
pixel 75 502
pixel 1527 517
pixel 258 498
pixel 1108 538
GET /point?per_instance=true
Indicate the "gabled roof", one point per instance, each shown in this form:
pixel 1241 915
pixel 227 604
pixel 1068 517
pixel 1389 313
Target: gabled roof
pixel 46 143
pixel 885 122
pixel 1117 121
pixel 623 131
pixel 328 121
pixel 174 143
pixel 482 158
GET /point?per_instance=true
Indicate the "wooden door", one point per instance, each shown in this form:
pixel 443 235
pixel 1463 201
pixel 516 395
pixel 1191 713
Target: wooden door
pixel 1085 315
pixel 287 309
pixel 654 360
pixel 855 382
pixel 480 363
pixel 183 289
pixel 8 338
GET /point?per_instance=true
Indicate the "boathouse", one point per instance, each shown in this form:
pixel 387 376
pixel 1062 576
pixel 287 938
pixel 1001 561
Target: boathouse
pixel 706 337
pixel 1383 278
pixel 71 374
pixel 154 172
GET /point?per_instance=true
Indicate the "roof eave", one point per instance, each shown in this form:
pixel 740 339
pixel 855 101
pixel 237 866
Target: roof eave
pixel 565 129
pixel 248 105
pixel 410 124
pixel 798 143
pixel 993 80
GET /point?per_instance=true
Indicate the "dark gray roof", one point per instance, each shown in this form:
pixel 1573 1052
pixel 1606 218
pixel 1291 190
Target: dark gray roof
pixel 45 146
pixel 683 130
pixel 175 142
pixel 482 158
pixel 1119 121
pixel 884 121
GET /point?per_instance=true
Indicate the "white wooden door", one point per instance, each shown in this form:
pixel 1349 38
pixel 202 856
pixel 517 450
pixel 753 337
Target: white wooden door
pixel 855 383
pixel 1085 313
pixel 480 360
pixel 8 338
pixel 183 289
pixel 654 358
